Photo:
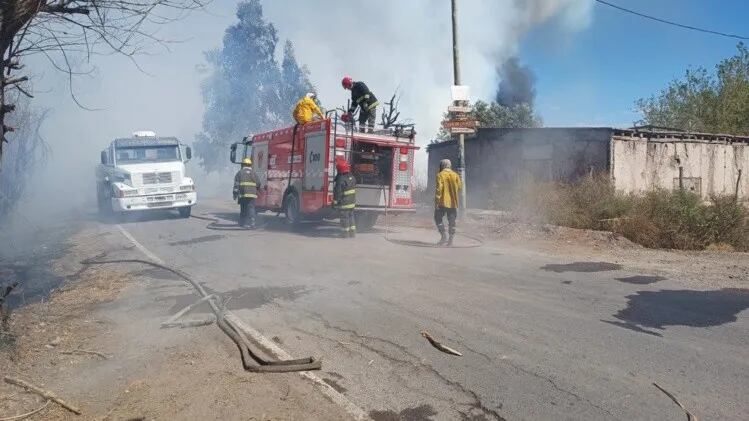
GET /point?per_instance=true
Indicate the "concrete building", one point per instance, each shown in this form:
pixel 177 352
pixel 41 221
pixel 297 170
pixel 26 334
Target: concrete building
pixel 637 160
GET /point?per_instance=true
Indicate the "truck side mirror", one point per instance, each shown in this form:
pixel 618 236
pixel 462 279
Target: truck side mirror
pixel 103 157
pixel 233 153
pixel 188 152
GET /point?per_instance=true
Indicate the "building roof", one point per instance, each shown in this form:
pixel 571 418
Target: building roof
pixel 640 132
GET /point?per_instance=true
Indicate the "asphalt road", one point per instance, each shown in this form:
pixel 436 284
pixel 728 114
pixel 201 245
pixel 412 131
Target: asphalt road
pixel 543 338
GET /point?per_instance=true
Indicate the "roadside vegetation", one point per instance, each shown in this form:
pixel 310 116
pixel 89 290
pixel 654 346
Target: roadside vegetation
pixel 656 219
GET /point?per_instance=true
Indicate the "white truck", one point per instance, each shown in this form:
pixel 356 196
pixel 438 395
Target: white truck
pixel 144 172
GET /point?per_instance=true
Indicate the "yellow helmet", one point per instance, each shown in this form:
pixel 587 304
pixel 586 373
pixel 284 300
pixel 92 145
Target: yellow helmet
pixel 247 161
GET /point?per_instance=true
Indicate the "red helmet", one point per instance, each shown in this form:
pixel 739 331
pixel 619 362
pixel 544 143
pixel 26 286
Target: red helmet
pixel 342 166
pixel 347 82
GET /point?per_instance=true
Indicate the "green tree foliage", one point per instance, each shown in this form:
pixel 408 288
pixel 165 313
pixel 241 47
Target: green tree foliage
pixel 247 90
pixel 715 102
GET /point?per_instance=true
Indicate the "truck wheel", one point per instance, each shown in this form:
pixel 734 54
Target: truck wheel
pixel 292 209
pixel 365 221
pixel 185 211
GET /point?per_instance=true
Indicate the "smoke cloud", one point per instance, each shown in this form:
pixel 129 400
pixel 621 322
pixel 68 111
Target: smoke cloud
pixel 517 84
pixel 390 44
pixel 406 46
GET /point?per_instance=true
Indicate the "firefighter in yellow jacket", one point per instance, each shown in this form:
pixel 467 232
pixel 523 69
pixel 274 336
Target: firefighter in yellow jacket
pixel 306 109
pixel 446 200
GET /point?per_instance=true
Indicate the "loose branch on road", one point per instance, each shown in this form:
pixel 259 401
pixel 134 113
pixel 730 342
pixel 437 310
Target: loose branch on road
pixel 438 345
pixel 26 415
pixel 43 393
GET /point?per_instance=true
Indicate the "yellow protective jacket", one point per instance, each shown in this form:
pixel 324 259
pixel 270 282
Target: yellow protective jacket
pixel 305 109
pixel 448 185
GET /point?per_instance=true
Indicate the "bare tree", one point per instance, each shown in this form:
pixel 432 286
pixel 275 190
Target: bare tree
pixel 27 150
pixel 390 113
pixel 64 29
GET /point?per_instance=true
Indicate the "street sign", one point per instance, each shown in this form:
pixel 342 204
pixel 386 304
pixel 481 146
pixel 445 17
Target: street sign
pixel 458 109
pixel 463 130
pixel 460 124
pixel 460 92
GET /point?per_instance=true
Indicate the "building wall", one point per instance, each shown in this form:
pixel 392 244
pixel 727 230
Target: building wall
pixel 498 160
pixel 708 167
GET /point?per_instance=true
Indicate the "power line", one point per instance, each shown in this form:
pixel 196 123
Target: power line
pixel 668 22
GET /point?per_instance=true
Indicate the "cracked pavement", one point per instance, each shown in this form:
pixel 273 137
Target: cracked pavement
pixel 538 344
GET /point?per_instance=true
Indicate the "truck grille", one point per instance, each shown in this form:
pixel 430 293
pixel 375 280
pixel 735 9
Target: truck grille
pixel 157 178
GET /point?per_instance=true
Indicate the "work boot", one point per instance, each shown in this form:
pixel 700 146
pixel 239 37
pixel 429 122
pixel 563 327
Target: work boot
pixel 450 240
pixel 352 233
pixel 443 238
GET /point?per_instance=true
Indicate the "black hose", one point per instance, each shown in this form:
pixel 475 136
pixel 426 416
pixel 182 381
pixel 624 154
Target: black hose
pixel 252 360
pixel 215 226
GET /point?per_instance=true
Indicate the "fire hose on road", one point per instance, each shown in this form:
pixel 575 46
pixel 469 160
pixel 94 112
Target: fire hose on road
pixel 252 359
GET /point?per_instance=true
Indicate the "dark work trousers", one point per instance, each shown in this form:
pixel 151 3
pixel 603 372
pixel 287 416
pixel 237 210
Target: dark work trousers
pixel 247 212
pixel 439 214
pixel 348 223
pixel 367 119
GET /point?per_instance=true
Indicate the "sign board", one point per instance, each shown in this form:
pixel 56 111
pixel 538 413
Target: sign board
pixel 463 130
pixel 458 109
pixel 462 124
pixel 460 92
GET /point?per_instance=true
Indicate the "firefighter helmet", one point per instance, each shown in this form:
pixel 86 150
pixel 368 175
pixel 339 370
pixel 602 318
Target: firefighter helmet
pixel 342 166
pixel 247 161
pixel 347 82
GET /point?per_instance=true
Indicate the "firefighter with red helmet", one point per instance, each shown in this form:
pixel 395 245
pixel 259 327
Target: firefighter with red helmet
pixel 364 99
pixel 344 198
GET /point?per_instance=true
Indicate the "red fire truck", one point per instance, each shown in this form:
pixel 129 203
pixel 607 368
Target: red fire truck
pixel 296 167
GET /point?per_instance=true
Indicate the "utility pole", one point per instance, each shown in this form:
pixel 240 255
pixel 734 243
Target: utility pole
pixel 456 82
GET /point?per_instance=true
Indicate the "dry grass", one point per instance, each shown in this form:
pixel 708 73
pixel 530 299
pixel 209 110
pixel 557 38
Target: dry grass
pixel 657 219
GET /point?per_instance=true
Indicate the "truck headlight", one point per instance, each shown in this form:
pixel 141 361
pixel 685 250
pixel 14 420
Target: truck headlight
pixel 125 193
pixel 189 187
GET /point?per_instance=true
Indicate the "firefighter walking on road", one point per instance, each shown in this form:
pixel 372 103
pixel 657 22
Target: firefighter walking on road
pixel 306 109
pixel 344 198
pixel 246 185
pixel 363 98
pixel 446 200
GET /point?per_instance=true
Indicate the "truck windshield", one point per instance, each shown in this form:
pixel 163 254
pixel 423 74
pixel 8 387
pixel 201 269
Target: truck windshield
pixel 142 154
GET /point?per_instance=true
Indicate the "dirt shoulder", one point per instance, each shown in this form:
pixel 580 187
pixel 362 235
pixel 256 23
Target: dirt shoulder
pixel 97 343
pixel 695 269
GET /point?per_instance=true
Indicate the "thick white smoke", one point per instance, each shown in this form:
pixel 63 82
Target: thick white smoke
pixel 394 44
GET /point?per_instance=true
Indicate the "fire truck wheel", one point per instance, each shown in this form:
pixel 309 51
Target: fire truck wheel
pixel 365 221
pixel 291 209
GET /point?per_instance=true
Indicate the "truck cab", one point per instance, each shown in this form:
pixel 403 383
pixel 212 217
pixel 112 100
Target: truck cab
pixel 145 172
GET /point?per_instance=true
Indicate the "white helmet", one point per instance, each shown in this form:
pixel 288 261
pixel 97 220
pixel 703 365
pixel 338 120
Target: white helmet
pixel 311 95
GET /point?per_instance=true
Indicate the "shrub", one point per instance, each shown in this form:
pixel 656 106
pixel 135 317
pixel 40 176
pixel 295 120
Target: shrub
pixel 656 219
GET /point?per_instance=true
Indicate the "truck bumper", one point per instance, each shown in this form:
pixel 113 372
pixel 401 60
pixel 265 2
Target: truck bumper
pixel 154 201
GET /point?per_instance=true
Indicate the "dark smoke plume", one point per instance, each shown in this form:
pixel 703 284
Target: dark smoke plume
pixel 517 84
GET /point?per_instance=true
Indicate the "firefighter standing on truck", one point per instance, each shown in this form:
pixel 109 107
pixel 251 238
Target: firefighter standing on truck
pixel 363 98
pixel 446 200
pixel 306 109
pixel 344 198
pixel 246 184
